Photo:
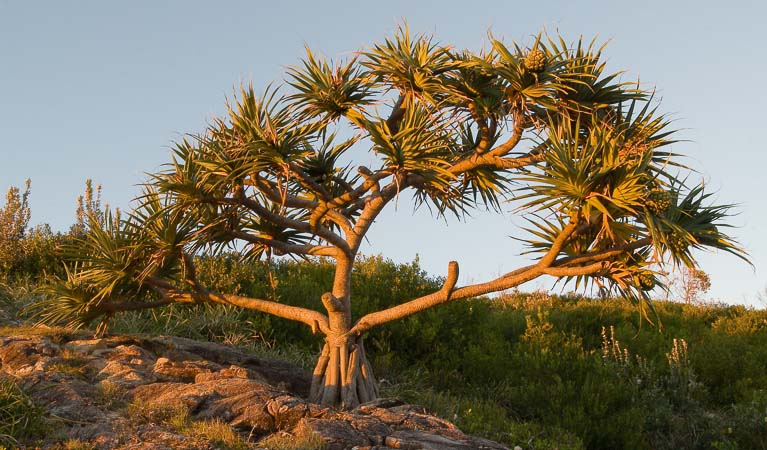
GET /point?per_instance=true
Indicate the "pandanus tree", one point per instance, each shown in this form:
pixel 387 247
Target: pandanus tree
pixel 579 153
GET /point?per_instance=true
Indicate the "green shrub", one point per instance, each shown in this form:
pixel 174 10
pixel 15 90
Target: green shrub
pixel 533 370
pixel 19 416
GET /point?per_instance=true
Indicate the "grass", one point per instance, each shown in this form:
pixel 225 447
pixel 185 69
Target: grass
pixel 217 432
pixel 75 444
pixel 177 418
pixel 19 416
pixel 301 438
pixel 57 334
pixel 110 395
pixel 479 416
pixel 74 365
pixel 140 413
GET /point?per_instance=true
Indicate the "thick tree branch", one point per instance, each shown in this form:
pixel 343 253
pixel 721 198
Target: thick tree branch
pixel 527 159
pixel 405 309
pixel 574 271
pixel 283 221
pixel 493 158
pixel 486 131
pixel 270 190
pixel 556 246
pixel 374 204
pixel 112 307
pixel 372 180
pixel 602 255
pixel 397 113
pixel 516 136
pixel 170 293
pixel 563 267
pixel 341 182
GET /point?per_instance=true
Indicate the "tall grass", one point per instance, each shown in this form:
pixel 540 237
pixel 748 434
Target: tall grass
pixel 19 416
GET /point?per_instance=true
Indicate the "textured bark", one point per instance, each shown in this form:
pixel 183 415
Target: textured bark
pixel 343 376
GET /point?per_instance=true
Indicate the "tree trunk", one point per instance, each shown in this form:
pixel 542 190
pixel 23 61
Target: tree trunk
pixel 343 377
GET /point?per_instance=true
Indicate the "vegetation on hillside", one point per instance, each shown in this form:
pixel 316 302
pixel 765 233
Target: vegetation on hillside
pixel 583 156
pixel 536 370
pixel 606 203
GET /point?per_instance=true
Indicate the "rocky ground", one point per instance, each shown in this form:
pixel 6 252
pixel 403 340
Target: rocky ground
pixel 154 393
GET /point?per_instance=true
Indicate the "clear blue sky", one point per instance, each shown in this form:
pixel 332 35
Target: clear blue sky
pixel 95 89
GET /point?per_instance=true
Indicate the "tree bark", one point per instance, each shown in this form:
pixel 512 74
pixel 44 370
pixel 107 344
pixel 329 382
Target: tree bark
pixel 343 376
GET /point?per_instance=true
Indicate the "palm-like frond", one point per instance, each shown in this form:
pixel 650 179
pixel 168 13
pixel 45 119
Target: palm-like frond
pixel 331 89
pixel 585 154
pixel 473 83
pixel 105 263
pixel 323 164
pixel 411 64
pixel 67 301
pixel 165 231
pixel 107 256
pixel 585 88
pixel 420 145
pixel 530 92
pixel 693 223
pixel 266 128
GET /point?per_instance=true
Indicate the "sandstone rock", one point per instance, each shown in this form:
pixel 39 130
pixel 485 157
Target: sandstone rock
pixel 166 370
pixel 338 434
pixel 163 375
pixel 18 352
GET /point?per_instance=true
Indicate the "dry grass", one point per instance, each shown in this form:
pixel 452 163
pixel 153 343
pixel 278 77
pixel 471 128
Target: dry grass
pixel 57 334
pixel 111 395
pixel 301 438
pixel 177 417
pixel 75 444
pixel 217 432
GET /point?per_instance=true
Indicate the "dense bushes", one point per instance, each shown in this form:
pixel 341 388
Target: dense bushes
pixel 25 252
pixel 533 370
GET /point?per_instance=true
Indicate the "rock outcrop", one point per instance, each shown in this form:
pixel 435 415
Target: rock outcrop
pixel 118 393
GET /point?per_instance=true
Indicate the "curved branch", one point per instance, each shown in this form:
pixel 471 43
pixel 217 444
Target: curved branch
pixel 170 293
pixel 272 192
pixel 562 267
pixel 406 309
pixel 575 271
pixel 602 255
pixel 116 306
pixel 374 204
pixel 451 279
pixel 557 245
pixel 269 189
pixel 283 221
pixel 371 181
pixel 486 132
pixel 527 159
pixel 493 157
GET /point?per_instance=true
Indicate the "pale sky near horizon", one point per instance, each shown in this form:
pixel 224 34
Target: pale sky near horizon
pixel 94 89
